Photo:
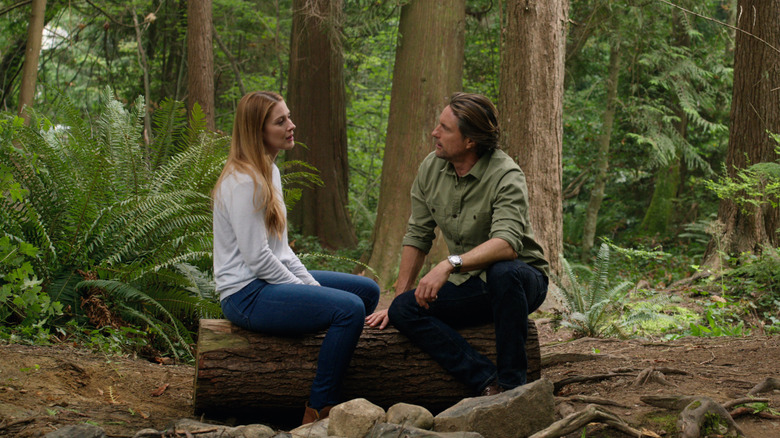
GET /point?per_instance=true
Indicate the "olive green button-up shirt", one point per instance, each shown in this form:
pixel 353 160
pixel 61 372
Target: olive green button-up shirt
pixel 490 201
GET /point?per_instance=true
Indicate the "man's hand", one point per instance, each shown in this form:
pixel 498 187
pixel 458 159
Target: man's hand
pixel 429 286
pixel 378 318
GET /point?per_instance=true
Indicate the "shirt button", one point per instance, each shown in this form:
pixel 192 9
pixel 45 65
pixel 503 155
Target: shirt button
pixel 454 216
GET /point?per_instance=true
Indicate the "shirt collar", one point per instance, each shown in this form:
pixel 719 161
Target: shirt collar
pixel 478 171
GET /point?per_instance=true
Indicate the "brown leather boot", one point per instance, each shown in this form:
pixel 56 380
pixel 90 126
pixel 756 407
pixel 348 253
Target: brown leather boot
pixel 310 415
pixel 492 389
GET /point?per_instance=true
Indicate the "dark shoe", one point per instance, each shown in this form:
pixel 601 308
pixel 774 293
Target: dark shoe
pixel 492 389
pixel 310 415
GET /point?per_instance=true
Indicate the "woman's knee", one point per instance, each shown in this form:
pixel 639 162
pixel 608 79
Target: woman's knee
pixel 350 310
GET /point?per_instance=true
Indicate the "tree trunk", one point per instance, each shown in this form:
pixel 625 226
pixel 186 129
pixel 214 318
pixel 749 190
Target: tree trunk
pixel 755 109
pixel 317 99
pixel 31 56
pixel 602 160
pixel 200 59
pixel 428 69
pixel 530 107
pixel 243 371
pixel 662 204
pixel 668 179
pixel 142 62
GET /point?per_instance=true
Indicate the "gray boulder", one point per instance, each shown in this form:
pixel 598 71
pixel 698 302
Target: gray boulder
pixel 512 414
pixel 354 419
pixel 411 415
pixel 204 430
pixel 317 429
pixel 77 431
pixel 388 430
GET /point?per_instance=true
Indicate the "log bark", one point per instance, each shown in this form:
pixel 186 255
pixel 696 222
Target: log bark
pixel 240 372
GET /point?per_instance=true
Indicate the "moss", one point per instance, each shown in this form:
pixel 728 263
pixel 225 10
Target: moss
pixel 666 422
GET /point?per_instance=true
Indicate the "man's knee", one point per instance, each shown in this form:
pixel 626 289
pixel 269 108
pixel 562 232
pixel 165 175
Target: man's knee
pixel 400 308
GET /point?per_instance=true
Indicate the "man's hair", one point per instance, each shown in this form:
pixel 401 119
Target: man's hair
pixel 477 120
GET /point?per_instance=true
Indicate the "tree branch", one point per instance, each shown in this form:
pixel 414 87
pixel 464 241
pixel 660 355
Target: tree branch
pixel 721 23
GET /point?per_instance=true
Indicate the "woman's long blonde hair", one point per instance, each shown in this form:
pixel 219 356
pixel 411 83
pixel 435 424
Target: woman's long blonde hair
pixel 248 155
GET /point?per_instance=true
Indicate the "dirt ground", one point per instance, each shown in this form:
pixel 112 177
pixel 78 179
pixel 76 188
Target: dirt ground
pixel 45 388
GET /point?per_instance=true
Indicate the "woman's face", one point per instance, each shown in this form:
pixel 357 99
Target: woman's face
pixel 278 130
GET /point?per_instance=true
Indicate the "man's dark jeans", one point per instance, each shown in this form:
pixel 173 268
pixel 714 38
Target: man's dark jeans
pixel 513 290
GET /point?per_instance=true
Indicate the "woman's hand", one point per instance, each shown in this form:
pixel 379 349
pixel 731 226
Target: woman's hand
pixel 378 318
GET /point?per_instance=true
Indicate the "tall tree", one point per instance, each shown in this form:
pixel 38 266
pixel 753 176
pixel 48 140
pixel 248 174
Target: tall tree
pixel 602 158
pixel 668 179
pixel 428 68
pixel 200 58
pixel 32 53
pixel 755 111
pixel 531 106
pixel 317 99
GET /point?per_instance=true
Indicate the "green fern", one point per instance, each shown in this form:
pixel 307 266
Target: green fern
pixel 106 211
pixel 593 308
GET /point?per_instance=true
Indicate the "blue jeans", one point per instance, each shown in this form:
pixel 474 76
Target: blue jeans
pixel 339 306
pixel 513 290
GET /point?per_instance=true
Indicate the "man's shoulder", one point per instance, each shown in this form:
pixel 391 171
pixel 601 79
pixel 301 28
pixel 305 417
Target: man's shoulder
pixel 501 163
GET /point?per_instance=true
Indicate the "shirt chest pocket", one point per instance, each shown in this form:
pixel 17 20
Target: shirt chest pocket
pixel 476 227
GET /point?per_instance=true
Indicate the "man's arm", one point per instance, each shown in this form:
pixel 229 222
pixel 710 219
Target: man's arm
pixel 412 259
pixel 480 257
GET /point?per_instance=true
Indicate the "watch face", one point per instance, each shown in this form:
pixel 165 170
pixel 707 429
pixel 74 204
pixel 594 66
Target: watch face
pixel 455 260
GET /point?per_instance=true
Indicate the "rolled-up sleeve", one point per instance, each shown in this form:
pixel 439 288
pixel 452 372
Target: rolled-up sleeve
pixel 421 225
pixel 510 210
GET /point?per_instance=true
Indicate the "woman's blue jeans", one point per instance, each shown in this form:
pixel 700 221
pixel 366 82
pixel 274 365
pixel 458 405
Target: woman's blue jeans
pixel 339 306
pixel 513 290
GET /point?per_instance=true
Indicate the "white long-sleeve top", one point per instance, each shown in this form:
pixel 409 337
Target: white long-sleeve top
pixel 243 248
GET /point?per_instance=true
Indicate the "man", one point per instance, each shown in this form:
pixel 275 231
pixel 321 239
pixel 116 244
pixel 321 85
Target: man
pixel 477 196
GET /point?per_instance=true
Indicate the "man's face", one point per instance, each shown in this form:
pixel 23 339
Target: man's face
pixel 451 145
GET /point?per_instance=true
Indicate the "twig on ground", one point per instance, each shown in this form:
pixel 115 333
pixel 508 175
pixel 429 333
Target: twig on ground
pixel 557 386
pixel 591 413
pixel 594 400
pixel 651 375
pixel 741 401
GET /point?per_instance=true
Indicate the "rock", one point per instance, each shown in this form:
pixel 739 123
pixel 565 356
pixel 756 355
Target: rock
pixel 388 430
pixel 253 431
pixel 410 415
pixel 513 414
pixel 77 431
pixel 187 426
pixel 354 419
pixel 317 429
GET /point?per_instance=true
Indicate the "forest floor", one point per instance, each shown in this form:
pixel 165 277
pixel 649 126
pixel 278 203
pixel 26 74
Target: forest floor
pixel 43 388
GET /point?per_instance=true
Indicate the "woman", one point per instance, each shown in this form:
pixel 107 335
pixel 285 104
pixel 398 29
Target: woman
pixel 263 286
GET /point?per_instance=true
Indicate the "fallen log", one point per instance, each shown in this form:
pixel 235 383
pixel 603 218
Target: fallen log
pixel 241 372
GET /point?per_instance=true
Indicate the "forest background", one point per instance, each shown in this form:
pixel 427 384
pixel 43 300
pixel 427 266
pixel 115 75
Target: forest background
pixel 647 131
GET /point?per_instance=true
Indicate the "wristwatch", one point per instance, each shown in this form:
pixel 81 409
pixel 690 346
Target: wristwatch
pixel 456 262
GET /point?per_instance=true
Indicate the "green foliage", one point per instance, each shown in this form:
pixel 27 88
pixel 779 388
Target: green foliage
pixel 754 186
pixel 115 218
pixel 593 307
pixel 23 303
pixel 718 321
